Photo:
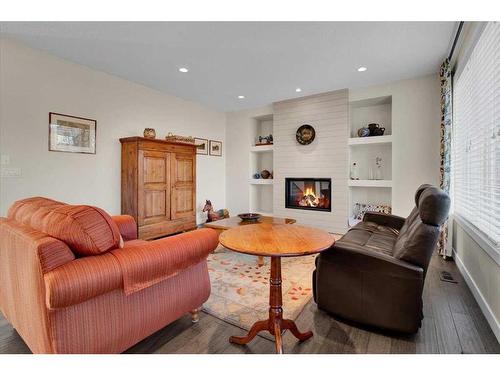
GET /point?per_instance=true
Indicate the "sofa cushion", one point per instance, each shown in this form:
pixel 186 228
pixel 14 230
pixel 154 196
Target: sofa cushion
pixel 86 230
pixel 376 228
pixel 362 239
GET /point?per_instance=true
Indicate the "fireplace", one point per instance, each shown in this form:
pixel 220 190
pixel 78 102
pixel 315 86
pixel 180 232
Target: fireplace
pixel 308 193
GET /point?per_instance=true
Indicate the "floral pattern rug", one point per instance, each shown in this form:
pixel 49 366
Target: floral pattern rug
pixel 240 288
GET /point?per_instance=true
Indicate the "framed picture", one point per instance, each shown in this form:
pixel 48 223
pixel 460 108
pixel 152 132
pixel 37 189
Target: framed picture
pixel 215 148
pixel 201 146
pixel 72 134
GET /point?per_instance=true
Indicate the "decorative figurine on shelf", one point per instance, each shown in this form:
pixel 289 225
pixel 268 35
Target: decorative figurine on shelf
pixel 214 215
pixel 256 176
pixel 363 132
pixel 149 133
pixel 354 172
pixel 268 140
pixel 265 174
pixel 375 130
pixel 378 170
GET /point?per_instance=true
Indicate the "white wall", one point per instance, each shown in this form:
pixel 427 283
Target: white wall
pixel 34 83
pixel 416 135
pixel 240 134
pixel 326 157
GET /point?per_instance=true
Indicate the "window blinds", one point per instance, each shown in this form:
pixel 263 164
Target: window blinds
pixel 476 137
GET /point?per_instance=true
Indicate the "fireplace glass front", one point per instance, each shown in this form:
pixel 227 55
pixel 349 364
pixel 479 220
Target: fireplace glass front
pixel 308 193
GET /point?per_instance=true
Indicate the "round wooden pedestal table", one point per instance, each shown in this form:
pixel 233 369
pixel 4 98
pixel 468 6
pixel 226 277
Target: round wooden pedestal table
pixel 275 241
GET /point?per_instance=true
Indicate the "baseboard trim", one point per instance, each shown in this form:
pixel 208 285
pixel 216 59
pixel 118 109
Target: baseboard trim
pixel 481 301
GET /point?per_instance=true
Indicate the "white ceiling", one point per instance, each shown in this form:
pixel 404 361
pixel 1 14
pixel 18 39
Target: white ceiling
pixel 265 61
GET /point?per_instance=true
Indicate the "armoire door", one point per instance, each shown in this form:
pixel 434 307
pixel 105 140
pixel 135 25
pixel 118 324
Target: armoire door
pixel 154 187
pixel 183 185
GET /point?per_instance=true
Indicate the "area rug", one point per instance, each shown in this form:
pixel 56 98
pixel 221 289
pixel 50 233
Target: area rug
pixel 240 288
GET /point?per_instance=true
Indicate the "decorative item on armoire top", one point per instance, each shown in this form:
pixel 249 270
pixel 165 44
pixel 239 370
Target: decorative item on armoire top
pixel 375 130
pixel 265 174
pixel 305 134
pixel 149 133
pixel 363 132
pixel 214 215
pixel 215 148
pixel 201 146
pixel 72 134
pixel 264 141
pixel 256 176
pixel 354 172
pixel 179 139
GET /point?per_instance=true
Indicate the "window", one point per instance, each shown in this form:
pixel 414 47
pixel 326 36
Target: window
pixel 476 138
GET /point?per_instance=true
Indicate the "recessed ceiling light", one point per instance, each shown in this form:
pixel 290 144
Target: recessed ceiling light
pixel 241 96
pixel 183 70
pixel 362 69
pixel 298 89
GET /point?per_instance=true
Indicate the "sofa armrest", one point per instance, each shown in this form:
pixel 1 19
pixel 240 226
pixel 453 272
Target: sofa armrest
pixel 146 265
pixel 82 279
pixel 127 226
pixel 387 220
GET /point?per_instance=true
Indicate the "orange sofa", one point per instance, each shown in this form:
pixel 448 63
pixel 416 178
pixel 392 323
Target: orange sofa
pixel 75 280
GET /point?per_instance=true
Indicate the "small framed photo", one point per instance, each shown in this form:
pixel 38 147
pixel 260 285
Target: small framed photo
pixel 215 148
pixel 72 134
pixel 201 146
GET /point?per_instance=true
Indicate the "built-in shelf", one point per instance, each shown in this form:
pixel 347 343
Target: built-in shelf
pixel 261 181
pixel 370 140
pixel 370 183
pixel 264 148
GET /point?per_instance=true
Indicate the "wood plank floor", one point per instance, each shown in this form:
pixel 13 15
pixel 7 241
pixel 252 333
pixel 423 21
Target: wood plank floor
pixel 453 323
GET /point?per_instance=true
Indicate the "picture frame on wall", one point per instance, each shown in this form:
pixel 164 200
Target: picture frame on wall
pixel 72 134
pixel 201 146
pixel 215 148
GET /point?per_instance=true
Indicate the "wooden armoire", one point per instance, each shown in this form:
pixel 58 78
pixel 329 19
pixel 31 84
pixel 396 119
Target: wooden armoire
pixel 158 185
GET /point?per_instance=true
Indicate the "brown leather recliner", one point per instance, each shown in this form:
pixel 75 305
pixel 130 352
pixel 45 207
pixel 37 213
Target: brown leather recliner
pixel 375 273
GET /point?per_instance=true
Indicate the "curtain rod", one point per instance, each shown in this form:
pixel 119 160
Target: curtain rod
pixel 457 35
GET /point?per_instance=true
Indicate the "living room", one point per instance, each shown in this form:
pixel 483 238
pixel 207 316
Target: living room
pixel 249 187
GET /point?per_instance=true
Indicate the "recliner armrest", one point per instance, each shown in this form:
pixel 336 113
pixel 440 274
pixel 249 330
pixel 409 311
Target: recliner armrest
pixel 387 220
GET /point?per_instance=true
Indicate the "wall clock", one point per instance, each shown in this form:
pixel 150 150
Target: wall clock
pixel 305 134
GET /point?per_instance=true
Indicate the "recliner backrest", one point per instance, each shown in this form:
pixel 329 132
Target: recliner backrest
pixel 419 235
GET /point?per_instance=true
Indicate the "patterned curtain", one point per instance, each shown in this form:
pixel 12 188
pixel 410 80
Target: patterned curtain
pixel 446 124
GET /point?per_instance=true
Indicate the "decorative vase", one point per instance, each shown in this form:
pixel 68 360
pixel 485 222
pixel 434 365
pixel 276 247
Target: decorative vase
pixel 363 132
pixel 256 176
pixel 265 174
pixel 354 172
pixel 149 133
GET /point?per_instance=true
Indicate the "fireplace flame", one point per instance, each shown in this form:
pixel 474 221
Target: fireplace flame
pixel 309 198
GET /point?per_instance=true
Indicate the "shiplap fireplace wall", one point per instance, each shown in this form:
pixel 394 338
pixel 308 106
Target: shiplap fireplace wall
pixel 326 157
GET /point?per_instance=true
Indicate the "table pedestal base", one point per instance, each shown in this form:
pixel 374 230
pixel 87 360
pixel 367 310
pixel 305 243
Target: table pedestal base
pixel 275 324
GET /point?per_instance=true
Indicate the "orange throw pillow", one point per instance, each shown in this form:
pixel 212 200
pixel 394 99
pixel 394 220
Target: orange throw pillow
pixel 87 230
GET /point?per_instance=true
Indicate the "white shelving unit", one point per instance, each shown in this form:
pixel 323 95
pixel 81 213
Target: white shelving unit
pixel 261 181
pixel 264 148
pixel 370 183
pixel 261 157
pixel 361 141
pixel 364 150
